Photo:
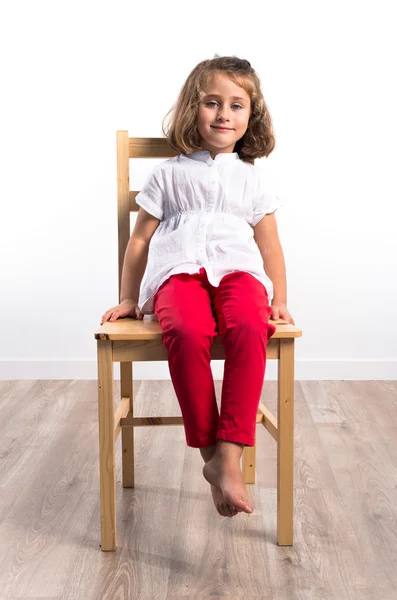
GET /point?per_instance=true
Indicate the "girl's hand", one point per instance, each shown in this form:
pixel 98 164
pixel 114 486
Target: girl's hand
pixel 280 311
pixel 126 308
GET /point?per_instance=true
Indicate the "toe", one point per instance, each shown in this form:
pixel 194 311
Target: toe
pixel 233 511
pixel 223 510
pixel 238 503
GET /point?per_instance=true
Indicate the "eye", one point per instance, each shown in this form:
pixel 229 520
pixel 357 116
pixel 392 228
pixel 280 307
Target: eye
pixel 213 102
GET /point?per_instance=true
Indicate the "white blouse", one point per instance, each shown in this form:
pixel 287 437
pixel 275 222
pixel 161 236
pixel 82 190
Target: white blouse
pixel 207 209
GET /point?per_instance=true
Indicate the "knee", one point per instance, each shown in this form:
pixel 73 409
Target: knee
pixel 191 333
pixel 248 324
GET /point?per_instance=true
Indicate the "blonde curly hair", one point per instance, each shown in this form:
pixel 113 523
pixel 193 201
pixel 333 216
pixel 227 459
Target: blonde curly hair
pixel 181 130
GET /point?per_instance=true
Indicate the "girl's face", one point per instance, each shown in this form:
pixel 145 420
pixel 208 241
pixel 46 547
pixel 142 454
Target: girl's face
pixel 223 104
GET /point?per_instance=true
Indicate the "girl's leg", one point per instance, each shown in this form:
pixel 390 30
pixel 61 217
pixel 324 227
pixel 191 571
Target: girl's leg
pixel 183 307
pixel 242 308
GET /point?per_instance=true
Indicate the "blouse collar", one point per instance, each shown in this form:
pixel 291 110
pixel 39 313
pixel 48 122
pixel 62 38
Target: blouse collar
pixel 205 156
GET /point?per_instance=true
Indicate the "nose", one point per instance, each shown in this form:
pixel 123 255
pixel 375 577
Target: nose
pixel 223 113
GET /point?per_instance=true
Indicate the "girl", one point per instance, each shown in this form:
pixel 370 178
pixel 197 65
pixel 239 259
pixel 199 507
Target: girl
pixel 207 231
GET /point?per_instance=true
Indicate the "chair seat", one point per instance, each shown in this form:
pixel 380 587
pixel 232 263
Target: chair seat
pixel 149 329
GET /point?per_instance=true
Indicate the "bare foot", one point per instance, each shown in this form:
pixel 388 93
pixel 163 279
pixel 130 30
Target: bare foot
pixel 228 478
pixel 223 508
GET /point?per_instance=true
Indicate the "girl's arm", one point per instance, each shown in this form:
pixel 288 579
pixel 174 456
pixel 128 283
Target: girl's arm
pixel 136 255
pixel 267 239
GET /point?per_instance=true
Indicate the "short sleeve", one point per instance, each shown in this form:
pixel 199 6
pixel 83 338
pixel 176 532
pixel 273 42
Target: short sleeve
pixel 264 199
pixel 151 196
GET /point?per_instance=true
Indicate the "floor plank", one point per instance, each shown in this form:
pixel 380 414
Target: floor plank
pixel 172 543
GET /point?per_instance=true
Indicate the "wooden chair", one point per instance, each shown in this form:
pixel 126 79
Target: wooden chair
pixel 130 340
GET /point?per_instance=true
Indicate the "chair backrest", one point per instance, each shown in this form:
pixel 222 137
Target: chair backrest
pixel 134 148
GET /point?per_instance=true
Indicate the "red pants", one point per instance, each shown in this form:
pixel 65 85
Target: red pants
pixel 191 312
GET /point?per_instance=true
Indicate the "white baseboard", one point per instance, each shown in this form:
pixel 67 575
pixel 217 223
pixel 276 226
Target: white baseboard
pixel 305 370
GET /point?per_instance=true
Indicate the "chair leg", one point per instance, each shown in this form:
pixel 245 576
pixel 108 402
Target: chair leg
pixel 127 433
pixel 107 467
pixel 249 458
pixel 285 444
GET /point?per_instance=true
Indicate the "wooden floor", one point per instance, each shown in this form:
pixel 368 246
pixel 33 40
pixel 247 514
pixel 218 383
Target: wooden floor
pixel 171 541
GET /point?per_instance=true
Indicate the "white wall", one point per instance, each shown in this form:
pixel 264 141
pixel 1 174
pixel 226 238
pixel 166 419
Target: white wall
pixel 75 72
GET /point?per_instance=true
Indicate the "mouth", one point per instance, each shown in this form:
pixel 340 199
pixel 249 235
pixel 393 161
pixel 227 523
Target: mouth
pixel 221 128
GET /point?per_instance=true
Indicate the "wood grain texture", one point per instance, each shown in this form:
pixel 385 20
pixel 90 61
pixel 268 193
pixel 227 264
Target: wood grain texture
pixel 128 328
pixel 172 542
